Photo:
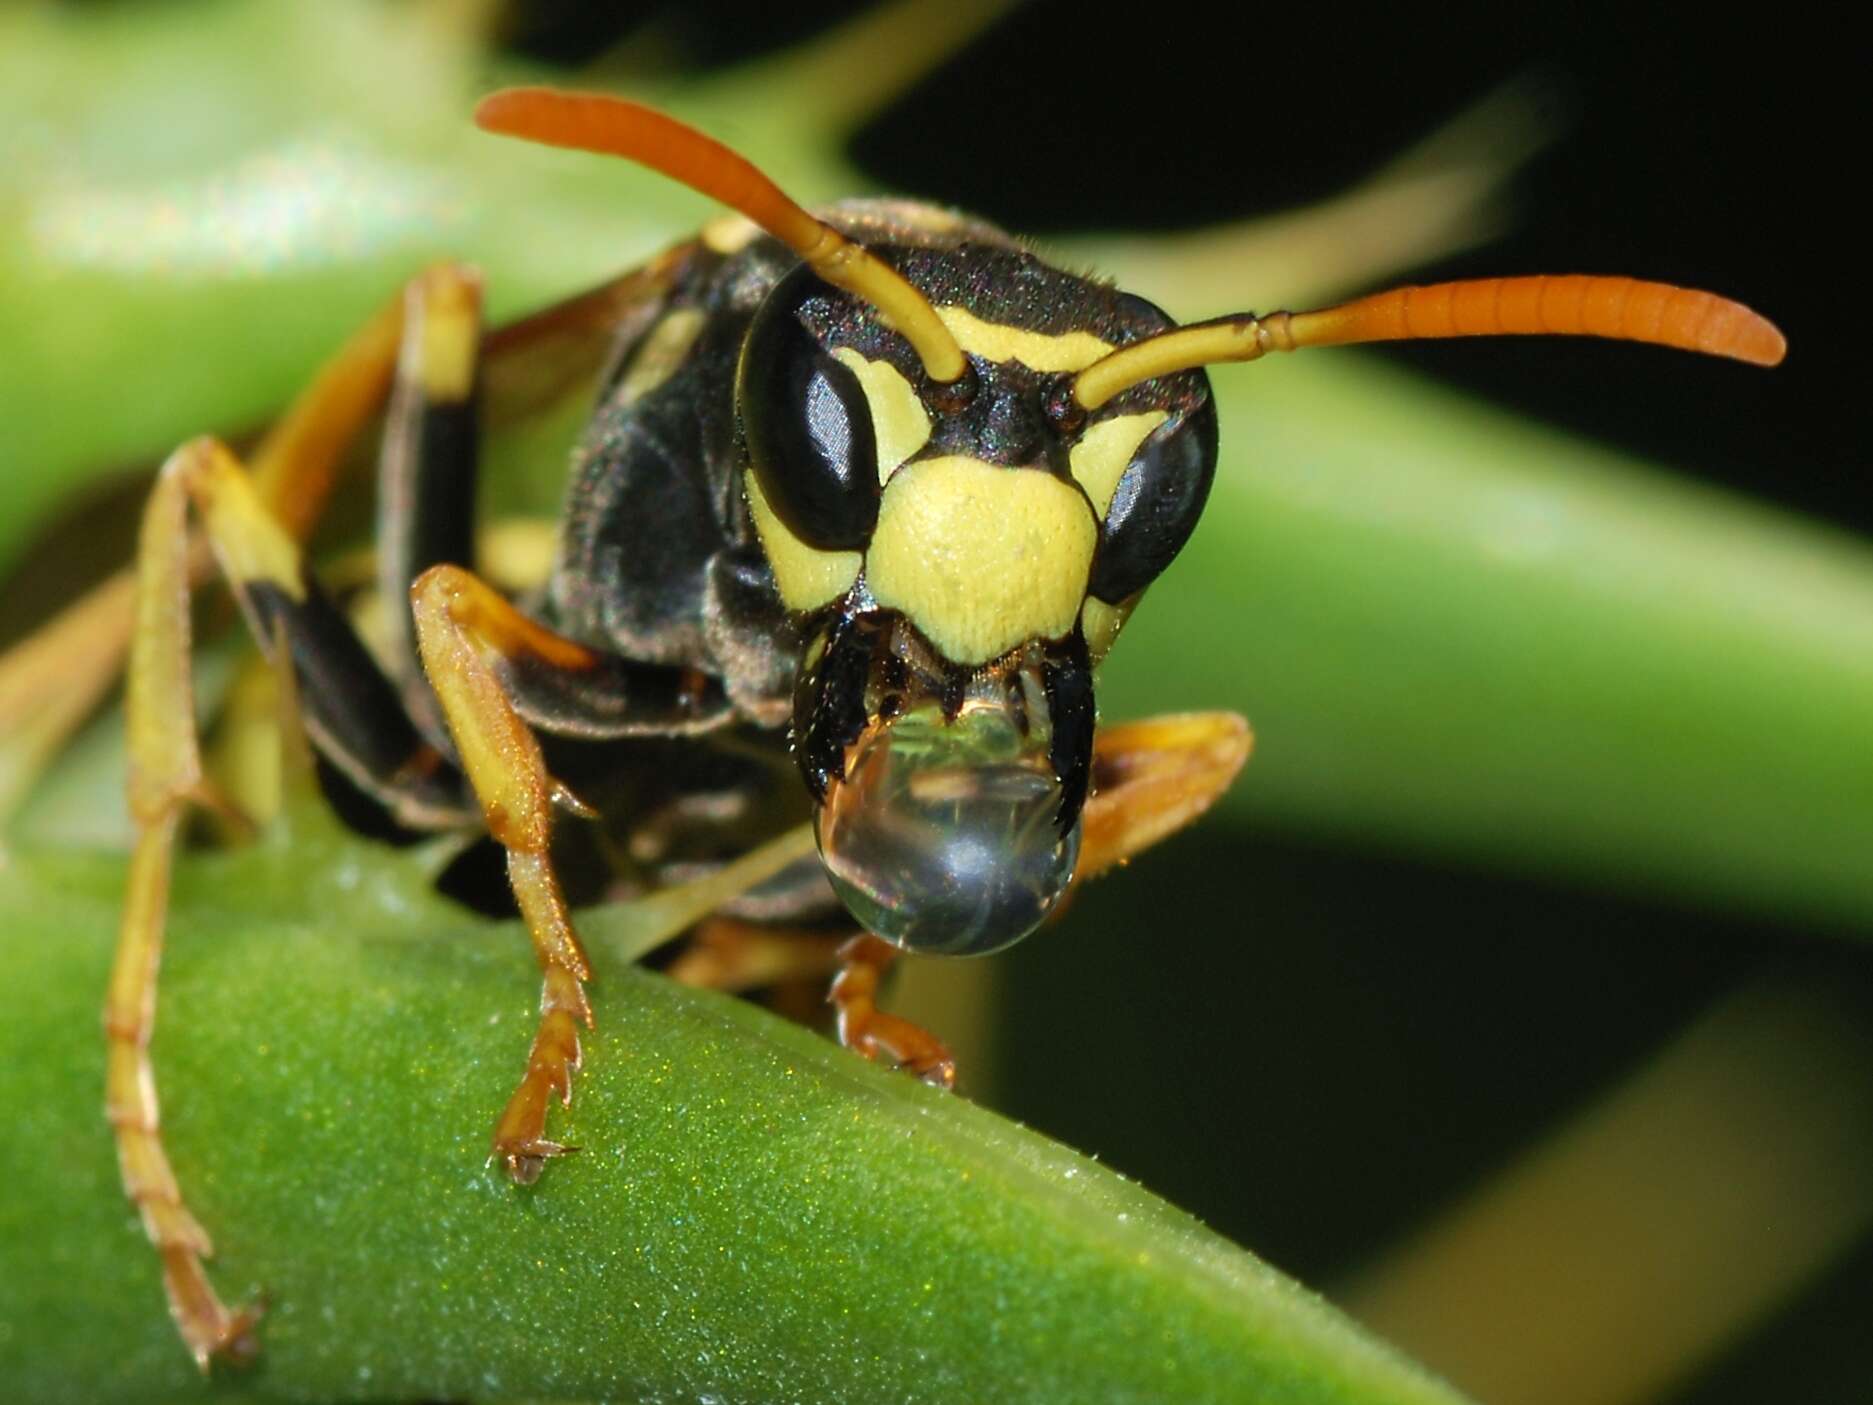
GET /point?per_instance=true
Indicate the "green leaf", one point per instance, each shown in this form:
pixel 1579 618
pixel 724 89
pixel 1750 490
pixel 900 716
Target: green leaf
pixel 755 1215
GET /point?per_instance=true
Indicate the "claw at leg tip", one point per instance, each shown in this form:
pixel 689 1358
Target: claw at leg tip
pixel 524 1170
pixel 524 1164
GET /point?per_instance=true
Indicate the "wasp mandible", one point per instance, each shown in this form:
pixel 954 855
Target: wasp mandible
pixel 867 496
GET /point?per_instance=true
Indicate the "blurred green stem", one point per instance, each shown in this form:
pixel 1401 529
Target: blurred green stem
pixel 1624 1251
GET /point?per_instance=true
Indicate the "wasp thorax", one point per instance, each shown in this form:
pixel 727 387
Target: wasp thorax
pixel 944 836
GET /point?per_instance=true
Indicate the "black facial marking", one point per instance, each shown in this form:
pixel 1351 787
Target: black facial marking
pixel 829 703
pixel 1067 675
pixel 1005 422
pixel 1156 506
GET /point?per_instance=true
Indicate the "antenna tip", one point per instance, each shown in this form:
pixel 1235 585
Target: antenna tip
pixel 504 110
pixel 1760 342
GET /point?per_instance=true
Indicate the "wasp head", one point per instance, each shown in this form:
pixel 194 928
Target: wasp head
pixel 968 550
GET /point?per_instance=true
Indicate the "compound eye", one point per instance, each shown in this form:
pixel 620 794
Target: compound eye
pixel 944 837
pixel 809 430
pixel 1157 503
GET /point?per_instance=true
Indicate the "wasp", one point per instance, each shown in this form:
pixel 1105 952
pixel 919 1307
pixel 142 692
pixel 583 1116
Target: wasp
pixel 866 497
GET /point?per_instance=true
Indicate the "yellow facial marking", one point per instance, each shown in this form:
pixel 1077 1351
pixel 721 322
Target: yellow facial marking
pixel 898 419
pixel 661 352
pixel 1100 459
pixel 1071 351
pixel 1101 624
pixel 805 576
pixel 981 557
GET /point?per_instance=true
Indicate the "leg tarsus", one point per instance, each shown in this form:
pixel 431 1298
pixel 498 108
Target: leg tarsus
pixel 208 1329
pixel 206 1325
pixel 520 1143
pixel 869 1031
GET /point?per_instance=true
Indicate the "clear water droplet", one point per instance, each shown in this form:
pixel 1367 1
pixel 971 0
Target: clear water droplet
pixel 942 837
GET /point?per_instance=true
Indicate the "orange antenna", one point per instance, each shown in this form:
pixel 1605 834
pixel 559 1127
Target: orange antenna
pixel 617 127
pixel 1626 309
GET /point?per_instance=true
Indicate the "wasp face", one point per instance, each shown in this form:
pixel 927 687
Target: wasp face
pixel 968 552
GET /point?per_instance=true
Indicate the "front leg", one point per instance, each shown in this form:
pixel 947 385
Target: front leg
pixel 867 1030
pixel 469 639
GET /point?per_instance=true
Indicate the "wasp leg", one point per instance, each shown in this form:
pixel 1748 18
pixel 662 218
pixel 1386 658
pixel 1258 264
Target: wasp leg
pixel 462 628
pixel 497 674
pixel 730 954
pixel 1151 778
pixel 54 679
pixel 426 473
pixel 867 1030
pixel 50 683
pixel 351 712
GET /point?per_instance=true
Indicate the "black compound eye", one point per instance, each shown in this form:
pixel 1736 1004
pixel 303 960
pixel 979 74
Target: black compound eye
pixel 1159 499
pixel 809 429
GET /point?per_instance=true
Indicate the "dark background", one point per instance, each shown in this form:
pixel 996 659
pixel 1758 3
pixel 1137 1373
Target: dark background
pixel 1398 1030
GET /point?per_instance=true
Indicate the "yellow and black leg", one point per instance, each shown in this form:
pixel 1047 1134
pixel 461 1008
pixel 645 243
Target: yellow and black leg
pixel 367 726
pixel 426 475
pixel 350 710
pixel 352 713
pixel 49 684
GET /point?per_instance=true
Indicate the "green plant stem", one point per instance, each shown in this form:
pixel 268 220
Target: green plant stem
pixel 755 1214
